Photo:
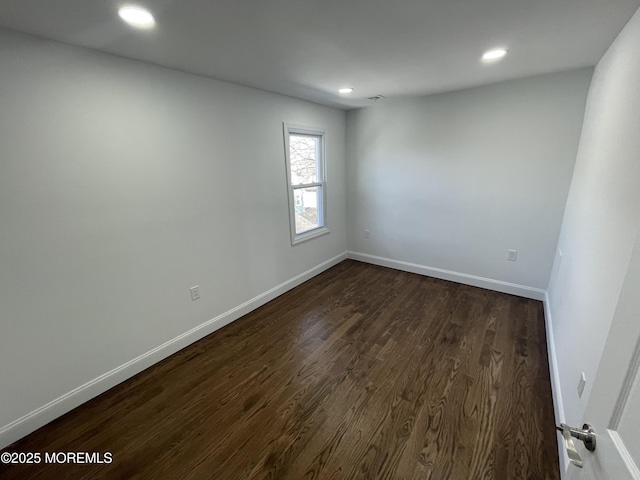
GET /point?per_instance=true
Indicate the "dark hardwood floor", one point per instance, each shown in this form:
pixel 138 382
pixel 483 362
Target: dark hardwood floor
pixel 361 372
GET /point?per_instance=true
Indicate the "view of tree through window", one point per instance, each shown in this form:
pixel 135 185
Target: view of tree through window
pixel 303 151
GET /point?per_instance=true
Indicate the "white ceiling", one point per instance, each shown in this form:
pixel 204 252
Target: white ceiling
pixel 310 48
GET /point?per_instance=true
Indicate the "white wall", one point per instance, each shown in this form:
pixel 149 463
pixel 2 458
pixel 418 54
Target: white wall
pixel 453 181
pixel 601 220
pixel 123 184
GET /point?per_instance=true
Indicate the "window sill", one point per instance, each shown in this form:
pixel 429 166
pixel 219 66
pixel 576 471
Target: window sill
pixel 308 235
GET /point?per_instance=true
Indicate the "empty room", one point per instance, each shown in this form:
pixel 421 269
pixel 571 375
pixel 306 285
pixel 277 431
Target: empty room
pixel 329 240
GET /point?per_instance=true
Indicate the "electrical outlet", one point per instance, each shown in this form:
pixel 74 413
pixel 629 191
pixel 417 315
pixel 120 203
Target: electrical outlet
pixel 559 259
pixel 581 384
pixel 512 255
pixel 367 233
pixel 195 292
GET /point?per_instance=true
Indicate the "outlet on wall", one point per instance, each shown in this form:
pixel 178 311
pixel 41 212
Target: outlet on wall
pixel 512 255
pixel 581 383
pixel 367 233
pixel 195 292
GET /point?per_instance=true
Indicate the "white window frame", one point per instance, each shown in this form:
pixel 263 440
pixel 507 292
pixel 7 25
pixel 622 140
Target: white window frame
pixel 322 183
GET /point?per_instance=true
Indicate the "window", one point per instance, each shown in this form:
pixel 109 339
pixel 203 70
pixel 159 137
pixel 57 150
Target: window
pixel 304 153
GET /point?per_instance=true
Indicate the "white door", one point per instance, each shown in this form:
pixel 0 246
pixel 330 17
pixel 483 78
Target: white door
pixel 614 405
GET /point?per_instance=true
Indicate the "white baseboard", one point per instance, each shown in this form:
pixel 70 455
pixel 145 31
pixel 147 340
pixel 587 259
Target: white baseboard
pixel 558 406
pixel 54 409
pixel 464 278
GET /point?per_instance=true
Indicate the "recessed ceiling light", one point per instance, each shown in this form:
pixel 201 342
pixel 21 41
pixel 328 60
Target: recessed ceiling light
pixel 346 90
pixel 495 54
pixel 137 17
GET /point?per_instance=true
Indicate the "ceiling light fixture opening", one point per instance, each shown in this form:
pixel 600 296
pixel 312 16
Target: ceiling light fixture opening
pixel 137 16
pixel 346 90
pixel 495 54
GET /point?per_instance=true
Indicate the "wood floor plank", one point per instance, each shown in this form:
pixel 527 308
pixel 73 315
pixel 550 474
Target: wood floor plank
pixel 362 372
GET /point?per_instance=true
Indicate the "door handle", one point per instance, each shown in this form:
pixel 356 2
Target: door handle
pixel 587 435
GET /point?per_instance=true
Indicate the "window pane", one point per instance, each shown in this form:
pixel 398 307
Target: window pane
pixel 307 202
pixel 304 152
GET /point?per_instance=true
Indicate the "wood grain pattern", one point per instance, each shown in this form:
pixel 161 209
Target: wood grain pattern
pixel 362 372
